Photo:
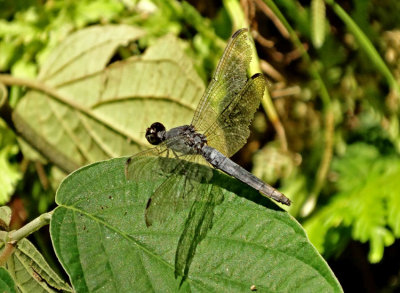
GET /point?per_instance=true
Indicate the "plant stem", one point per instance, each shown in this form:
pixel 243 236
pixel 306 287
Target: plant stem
pixel 236 14
pixel 13 237
pixel 6 253
pixel 33 226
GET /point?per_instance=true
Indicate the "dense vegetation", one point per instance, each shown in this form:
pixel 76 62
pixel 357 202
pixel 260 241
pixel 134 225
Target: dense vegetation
pixel 327 135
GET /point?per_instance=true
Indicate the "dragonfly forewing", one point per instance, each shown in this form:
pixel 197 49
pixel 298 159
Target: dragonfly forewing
pixel 230 131
pixel 228 80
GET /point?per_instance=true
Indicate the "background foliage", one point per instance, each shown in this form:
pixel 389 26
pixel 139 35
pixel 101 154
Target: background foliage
pixel 330 140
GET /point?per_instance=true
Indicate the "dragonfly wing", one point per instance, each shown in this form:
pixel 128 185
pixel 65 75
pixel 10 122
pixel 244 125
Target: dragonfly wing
pixel 181 175
pixel 231 129
pixel 153 162
pixel 166 200
pixel 145 165
pixel 180 189
pixel 228 80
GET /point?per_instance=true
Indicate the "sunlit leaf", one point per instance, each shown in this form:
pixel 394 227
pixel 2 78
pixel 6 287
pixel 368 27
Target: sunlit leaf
pixel 103 111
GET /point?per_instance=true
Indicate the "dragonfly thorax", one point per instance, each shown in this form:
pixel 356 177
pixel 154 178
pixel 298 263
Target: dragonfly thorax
pixel 194 139
pixel 185 139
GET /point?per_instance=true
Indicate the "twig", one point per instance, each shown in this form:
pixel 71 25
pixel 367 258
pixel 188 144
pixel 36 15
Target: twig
pixel 284 92
pixel 12 238
pixel 274 118
pixel 271 71
pixel 6 253
pixel 263 41
pixel 42 175
pixel 271 15
pixel 295 54
pixel 33 226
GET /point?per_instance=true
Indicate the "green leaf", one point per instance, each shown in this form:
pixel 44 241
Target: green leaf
pixel 96 112
pixel 7 284
pixel 5 217
pixel 366 45
pixel 93 11
pixel 7 50
pixel 100 237
pixel 31 272
pixel 9 175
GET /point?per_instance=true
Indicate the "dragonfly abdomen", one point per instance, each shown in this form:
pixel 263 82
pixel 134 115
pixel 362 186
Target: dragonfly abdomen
pixel 219 161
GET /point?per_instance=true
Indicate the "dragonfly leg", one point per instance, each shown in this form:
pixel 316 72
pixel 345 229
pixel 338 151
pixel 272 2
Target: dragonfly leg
pixel 175 154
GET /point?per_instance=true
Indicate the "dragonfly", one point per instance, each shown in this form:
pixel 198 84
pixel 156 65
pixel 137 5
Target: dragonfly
pixel 219 128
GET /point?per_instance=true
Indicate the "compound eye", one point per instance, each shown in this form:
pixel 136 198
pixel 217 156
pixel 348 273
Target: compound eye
pixel 157 126
pixel 153 134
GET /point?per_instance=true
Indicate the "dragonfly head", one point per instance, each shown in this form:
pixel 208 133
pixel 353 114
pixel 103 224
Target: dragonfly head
pixel 155 133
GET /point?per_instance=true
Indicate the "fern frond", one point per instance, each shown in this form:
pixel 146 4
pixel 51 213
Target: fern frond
pixel 367 203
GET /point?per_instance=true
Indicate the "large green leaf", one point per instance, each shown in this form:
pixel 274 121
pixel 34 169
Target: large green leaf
pixel 93 112
pixel 100 237
pixel 30 271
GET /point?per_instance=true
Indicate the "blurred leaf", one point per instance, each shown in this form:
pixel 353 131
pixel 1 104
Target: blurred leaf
pixel 103 111
pixel 366 202
pixel 297 14
pixel 99 233
pixel 85 52
pixel 318 19
pixel 272 164
pixel 7 51
pixel 361 15
pixel 295 187
pixel 7 284
pixel 24 68
pixel 34 28
pixel 5 217
pixel 31 272
pixel 92 11
pixel 30 152
pixel 9 175
pixel 366 45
